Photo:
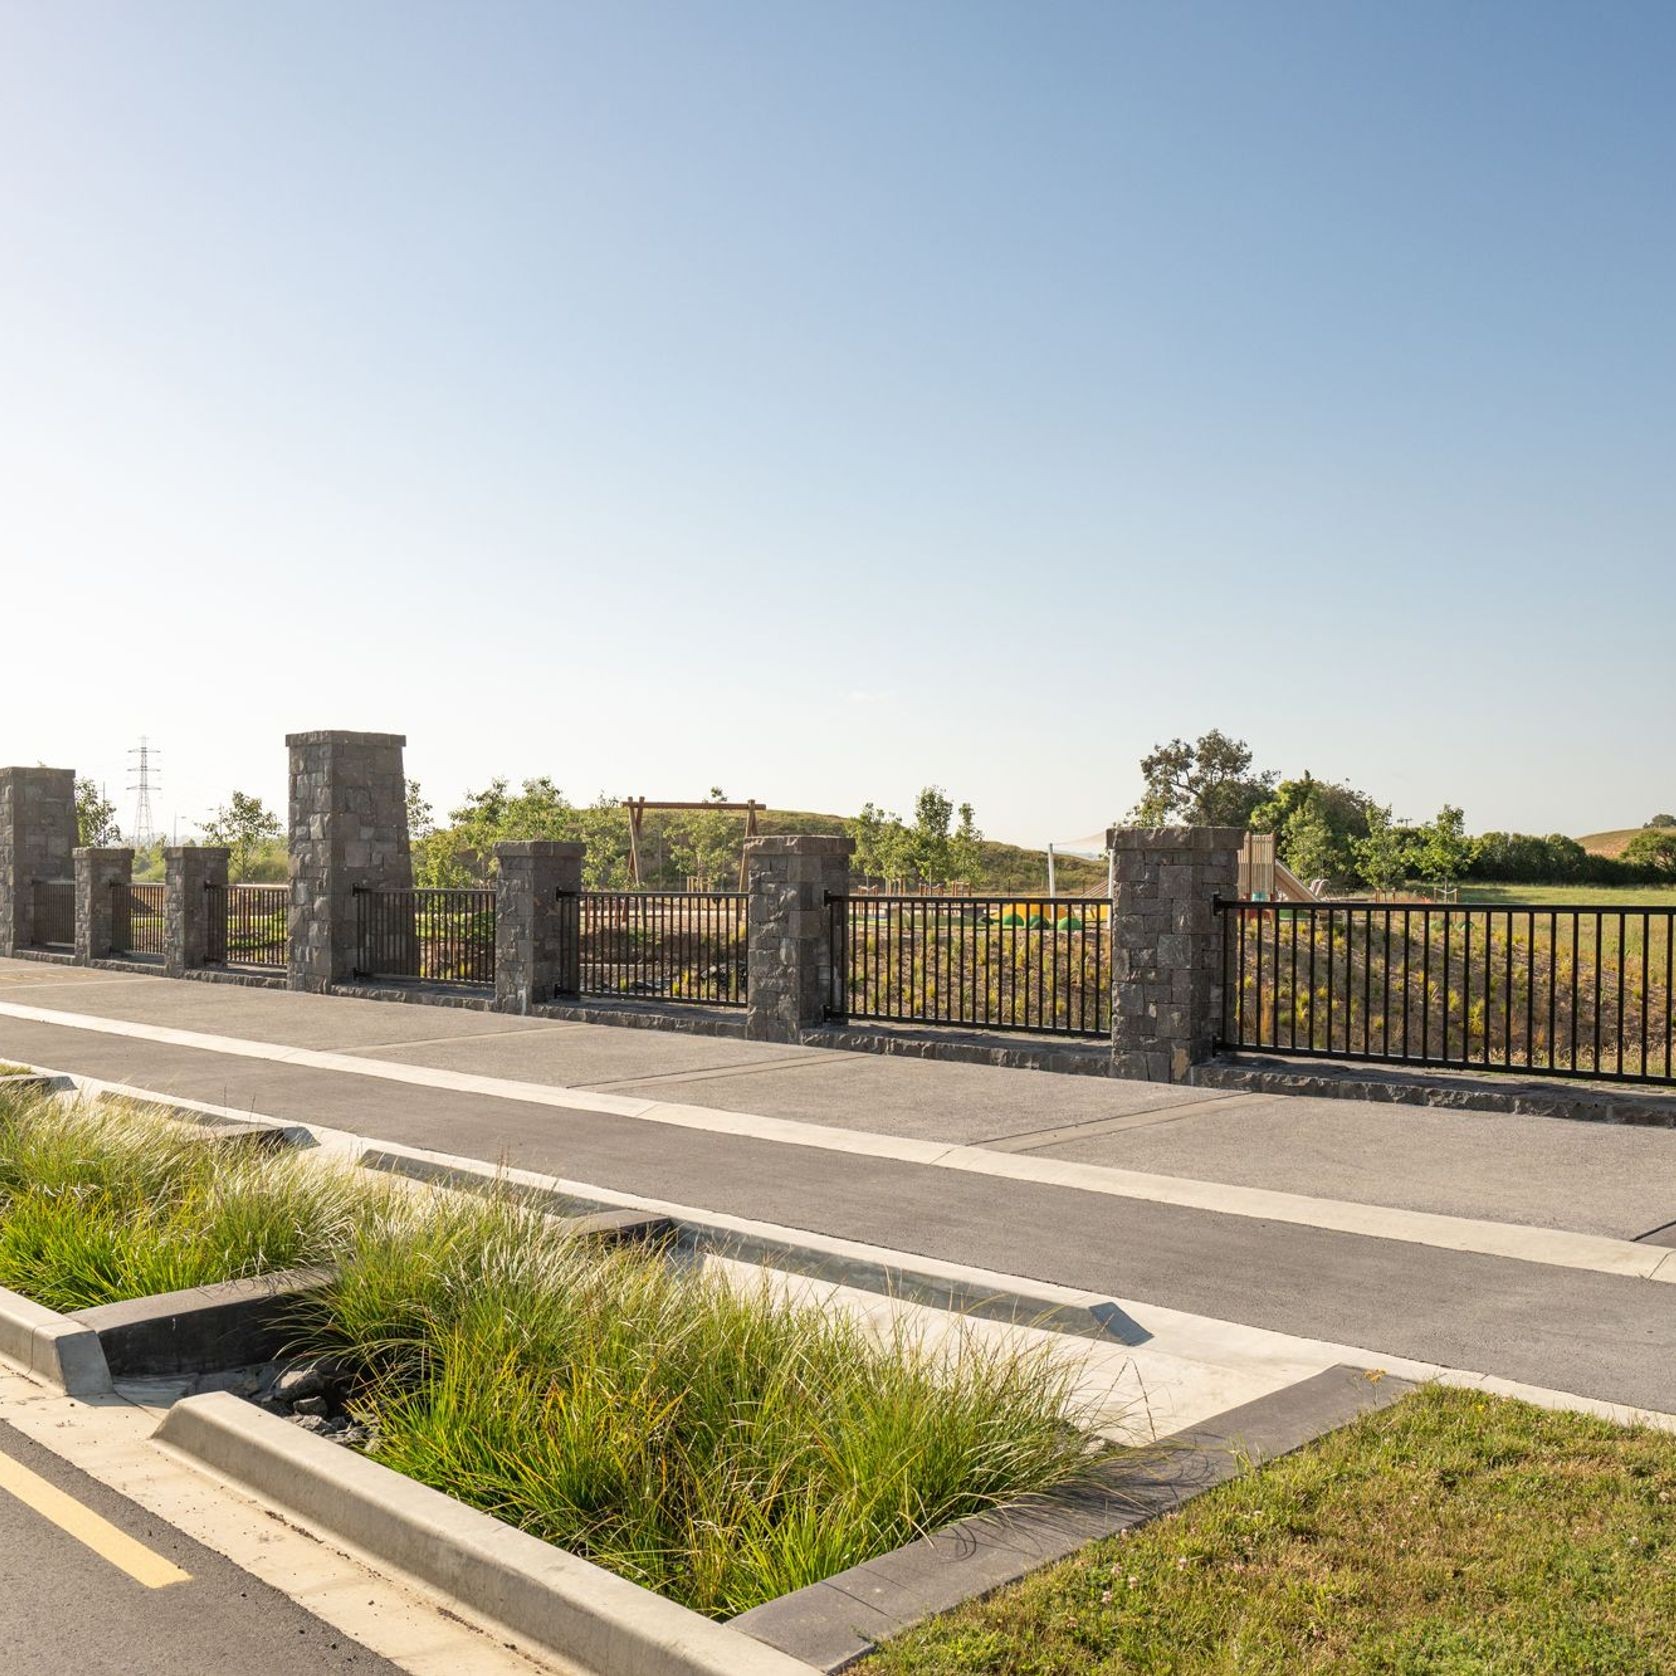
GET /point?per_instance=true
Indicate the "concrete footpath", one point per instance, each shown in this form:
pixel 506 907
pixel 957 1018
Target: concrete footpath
pixel 1518 1246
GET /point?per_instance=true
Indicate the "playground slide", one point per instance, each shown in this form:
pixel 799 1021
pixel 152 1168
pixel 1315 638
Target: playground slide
pixel 1289 887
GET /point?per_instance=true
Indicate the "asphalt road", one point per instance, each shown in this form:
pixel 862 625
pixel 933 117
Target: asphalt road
pixel 65 1607
pixel 1592 1334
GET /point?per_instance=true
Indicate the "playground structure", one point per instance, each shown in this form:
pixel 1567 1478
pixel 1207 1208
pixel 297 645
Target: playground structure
pixel 637 807
pixel 1263 878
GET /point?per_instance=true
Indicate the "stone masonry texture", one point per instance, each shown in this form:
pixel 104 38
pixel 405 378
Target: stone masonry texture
pixel 789 958
pixel 348 827
pixel 102 911
pixel 537 944
pixel 37 838
pixel 1167 945
pixel 191 936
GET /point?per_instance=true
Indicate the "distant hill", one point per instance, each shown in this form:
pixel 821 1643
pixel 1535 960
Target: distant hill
pixel 1609 843
pixel 1007 867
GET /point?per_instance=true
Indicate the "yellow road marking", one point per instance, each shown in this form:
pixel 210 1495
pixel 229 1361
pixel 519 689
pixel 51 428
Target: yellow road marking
pixel 120 1549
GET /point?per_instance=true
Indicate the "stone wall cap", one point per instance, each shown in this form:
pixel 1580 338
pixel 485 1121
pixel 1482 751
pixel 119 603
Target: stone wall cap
pixel 103 852
pixel 177 850
pixel 800 843
pixel 1176 837
pixel 344 736
pixel 547 849
pixel 35 768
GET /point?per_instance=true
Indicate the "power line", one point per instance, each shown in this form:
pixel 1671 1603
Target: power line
pixel 146 781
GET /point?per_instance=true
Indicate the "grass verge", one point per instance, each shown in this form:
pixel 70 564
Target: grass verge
pixel 1629 897
pixel 1453 1533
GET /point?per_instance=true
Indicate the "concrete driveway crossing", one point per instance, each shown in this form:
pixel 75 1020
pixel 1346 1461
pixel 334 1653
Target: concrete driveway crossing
pixel 1594 1334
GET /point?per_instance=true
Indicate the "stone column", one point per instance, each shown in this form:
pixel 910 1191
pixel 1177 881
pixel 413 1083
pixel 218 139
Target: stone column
pixel 348 828
pixel 102 912
pixel 537 952
pixel 1167 945
pixel 195 929
pixel 789 961
pixel 37 838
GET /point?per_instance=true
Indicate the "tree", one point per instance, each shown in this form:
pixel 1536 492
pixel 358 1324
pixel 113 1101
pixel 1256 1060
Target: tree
pixel 966 850
pixel 95 816
pixel 869 832
pixel 1343 812
pixel 703 843
pixel 419 821
pixel 1311 847
pixel 1662 820
pixel 929 846
pixel 1209 783
pixel 1654 848
pixel 934 850
pixel 1382 856
pixel 1445 850
pixel 246 826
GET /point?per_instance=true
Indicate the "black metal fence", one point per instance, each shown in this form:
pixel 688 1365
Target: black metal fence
pixel 1037 964
pixel 440 936
pixel 139 920
pixel 247 924
pixel 1563 991
pixel 53 914
pixel 659 945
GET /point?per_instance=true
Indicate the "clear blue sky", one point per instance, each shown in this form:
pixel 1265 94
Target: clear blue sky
pixel 825 399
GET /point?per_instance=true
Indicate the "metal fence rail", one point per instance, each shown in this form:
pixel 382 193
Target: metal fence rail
pixel 1034 964
pixel 1533 987
pixel 139 921
pixel 662 945
pixel 247 924
pixel 440 936
pixel 53 914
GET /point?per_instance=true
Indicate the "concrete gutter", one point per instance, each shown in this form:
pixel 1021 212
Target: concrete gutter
pixel 919 1280
pixel 53 1347
pixel 602 1623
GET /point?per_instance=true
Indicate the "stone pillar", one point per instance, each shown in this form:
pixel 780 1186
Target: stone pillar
pixel 348 828
pixel 37 839
pixel 789 961
pixel 537 949
pixel 195 928
pixel 1167 945
pixel 102 913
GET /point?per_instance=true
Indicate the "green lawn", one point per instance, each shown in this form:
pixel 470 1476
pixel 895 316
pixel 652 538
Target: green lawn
pixel 1570 896
pixel 1453 1533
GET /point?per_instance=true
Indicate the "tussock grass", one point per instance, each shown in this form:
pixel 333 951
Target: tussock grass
pixel 1454 1534
pixel 104 1203
pixel 721 1446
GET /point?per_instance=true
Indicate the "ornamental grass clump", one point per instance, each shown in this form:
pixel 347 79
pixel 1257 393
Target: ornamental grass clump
pixel 720 1444
pixel 103 1203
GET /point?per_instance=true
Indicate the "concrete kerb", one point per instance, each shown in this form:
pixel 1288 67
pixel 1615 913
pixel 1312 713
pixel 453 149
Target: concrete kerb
pixel 833 1623
pixel 202 1329
pixel 602 1622
pixel 63 1353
